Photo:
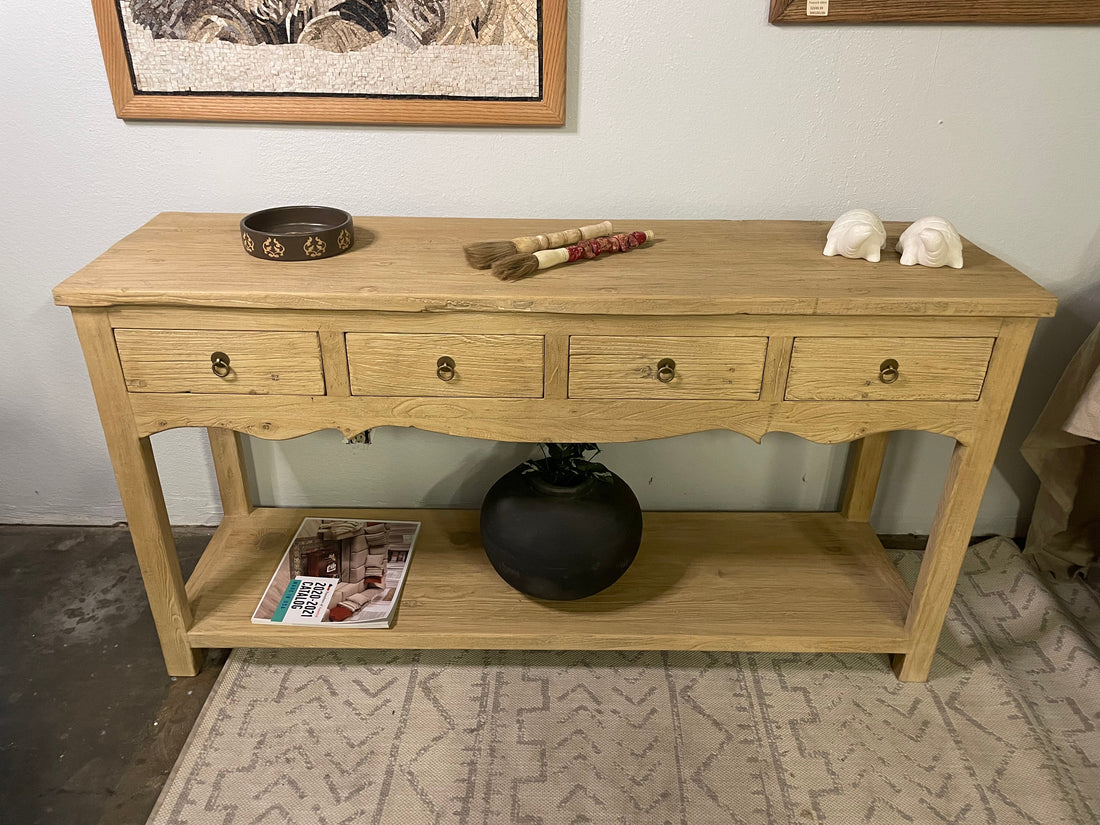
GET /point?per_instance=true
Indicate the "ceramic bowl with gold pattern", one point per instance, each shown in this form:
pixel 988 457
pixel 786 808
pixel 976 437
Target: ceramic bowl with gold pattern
pixel 297 233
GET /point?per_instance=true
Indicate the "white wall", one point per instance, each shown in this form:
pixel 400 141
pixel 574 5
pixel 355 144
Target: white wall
pixel 714 116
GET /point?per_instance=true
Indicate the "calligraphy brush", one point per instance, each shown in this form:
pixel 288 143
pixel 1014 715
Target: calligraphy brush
pixel 523 265
pixel 484 254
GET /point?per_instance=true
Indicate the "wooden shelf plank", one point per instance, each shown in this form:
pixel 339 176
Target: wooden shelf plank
pixel 416 265
pixel 702 581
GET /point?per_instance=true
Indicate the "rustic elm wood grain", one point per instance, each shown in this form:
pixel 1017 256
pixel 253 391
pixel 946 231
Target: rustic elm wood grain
pixel 499 323
pixel 849 369
pixel 334 357
pixel 486 366
pixel 413 265
pixel 940 11
pixel 142 498
pixel 521 419
pixel 702 581
pixel 561 357
pixel 967 474
pixel 231 470
pixel 174 360
pixel 556 346
pixel 129 104
pixel 864 470
pixel 706 366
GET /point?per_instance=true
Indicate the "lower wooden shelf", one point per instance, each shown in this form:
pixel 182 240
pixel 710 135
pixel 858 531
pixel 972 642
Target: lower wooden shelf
pixel 702 581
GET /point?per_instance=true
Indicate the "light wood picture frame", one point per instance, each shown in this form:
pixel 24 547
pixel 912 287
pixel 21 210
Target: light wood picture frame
pixel 935 11
pixel 505 65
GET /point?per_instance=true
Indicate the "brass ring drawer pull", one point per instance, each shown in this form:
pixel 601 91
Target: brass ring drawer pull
pixel 219 363
pixel 888 371
pixel 666 370
pixel 445 368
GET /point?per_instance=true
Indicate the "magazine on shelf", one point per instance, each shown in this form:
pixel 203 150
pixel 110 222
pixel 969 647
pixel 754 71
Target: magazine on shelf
pixel 340 573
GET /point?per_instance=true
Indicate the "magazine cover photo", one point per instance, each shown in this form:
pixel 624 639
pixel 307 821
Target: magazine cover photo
pixel 340 572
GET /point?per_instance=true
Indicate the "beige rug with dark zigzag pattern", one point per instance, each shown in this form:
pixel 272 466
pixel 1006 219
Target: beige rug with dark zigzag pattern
pixel 1005 732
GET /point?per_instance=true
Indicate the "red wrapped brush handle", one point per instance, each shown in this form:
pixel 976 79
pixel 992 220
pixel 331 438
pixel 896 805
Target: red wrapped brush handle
pixel 516 267
pixel 591 248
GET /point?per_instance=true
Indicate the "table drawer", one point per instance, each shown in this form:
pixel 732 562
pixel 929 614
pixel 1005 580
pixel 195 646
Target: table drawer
pixel 888 369
pixel 704 367
pixel 259 363
pixel 441 365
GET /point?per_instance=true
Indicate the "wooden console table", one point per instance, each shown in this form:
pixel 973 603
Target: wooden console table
pixel 766 333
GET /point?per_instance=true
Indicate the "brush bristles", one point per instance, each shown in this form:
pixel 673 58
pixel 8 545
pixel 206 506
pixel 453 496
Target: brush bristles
pixel 515 267
pixel 484 254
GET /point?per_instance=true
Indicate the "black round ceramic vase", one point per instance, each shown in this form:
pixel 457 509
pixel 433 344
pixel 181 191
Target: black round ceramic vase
pixel 560 543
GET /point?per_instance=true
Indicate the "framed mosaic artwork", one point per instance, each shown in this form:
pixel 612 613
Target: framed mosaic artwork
pixel 938 11
pixel 336 61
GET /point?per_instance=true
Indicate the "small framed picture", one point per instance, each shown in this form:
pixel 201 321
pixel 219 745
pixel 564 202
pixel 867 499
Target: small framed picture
pixel 942 11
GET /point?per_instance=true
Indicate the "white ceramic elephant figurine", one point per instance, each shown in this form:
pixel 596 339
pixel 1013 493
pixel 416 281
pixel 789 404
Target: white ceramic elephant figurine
pixel 931 242
pixel 858 233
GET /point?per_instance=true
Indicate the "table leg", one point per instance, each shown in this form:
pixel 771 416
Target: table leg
pixel 943 557
pixel 229 466
pixel 864 469
pixel 967 475
pixel 139 485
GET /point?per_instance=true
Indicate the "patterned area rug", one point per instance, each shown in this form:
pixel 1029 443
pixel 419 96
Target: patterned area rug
pixel 1005 731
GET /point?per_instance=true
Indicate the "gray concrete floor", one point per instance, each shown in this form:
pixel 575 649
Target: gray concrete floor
pixel 91 722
